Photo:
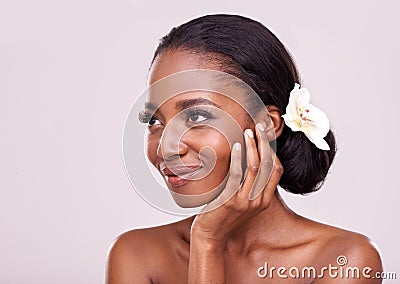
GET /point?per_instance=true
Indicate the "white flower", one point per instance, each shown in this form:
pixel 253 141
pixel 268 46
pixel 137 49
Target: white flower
pixel 303 116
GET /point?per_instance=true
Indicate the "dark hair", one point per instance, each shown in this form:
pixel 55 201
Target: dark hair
pixel 250 51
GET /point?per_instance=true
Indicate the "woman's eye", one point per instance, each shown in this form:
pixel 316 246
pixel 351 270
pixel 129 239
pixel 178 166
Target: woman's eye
pixel 153 121
pixel 196 117
pixel 148 118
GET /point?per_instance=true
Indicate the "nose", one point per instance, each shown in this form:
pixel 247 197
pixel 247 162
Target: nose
pixel 171 144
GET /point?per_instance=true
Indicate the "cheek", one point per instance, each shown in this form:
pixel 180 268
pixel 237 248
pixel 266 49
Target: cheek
pixel 215 140
pixel 151 148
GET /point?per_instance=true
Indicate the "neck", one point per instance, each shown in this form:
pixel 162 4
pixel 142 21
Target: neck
pixel 269 227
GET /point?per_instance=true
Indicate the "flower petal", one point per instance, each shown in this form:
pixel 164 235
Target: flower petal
pixel 292 122
pixel 301 115
pixel 318 121
pixel 303 97
pixel 319 142
pixel 292 106
pixel 315 114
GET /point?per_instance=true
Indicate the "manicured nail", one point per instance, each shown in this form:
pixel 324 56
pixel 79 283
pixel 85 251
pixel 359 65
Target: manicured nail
pixel 249 133
pixel 260 126
pixel 237 146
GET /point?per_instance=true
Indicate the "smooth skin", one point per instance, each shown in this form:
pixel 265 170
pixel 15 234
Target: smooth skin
pixel 229 244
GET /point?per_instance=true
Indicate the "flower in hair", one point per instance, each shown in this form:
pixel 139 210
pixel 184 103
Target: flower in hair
pixel 302 116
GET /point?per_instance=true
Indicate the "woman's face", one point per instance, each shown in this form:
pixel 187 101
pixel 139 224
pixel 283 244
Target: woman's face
pixel 185 141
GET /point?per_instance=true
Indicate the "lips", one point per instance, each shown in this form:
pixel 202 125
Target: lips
pixel 179 175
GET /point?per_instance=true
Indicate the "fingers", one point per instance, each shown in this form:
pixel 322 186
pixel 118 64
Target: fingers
pixel 263 170
pixel 266 156
pixel 234 176
pixel 253 164
pixel 277 171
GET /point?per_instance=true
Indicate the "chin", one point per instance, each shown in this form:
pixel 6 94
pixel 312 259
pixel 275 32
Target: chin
pixel 197 200
pixel 192 201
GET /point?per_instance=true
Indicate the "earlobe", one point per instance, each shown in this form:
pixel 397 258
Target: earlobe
pixel 276 118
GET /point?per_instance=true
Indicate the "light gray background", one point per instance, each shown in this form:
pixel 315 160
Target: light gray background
pixel 70 70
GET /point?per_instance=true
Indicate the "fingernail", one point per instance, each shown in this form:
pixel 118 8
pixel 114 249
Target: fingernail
pixel 249 133
pixel 260 126
pixel 237 146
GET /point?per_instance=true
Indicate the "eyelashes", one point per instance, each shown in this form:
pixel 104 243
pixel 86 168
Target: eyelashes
pixel 144 116
pixel 198 115
pixel 194 115
pixel 148 118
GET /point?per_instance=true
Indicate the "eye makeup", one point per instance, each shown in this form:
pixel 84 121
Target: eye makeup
pixel 193 115
pixel 198 114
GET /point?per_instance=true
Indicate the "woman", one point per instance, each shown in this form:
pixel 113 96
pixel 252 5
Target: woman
pixel 246 233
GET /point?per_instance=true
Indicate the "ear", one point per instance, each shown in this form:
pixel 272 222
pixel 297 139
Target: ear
pixel 276 118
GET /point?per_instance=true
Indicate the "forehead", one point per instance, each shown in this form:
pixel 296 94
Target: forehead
pixel 188 75
pixel 184 75
pixel 171 62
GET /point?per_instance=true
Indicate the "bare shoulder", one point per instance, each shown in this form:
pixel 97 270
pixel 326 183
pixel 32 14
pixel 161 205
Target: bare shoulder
pixel 347 249
pixel 134 254
pixel 357 247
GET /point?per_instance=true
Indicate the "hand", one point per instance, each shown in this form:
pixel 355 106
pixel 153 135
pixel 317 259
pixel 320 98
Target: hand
pixel 239 203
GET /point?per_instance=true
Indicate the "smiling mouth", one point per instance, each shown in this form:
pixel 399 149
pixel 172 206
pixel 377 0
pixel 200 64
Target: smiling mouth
pixel 178 176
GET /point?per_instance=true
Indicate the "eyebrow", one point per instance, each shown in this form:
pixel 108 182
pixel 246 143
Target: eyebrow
pixel 150 106
pixel 183 104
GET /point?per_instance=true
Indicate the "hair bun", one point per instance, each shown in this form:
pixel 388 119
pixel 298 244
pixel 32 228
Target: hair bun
pixel 306 166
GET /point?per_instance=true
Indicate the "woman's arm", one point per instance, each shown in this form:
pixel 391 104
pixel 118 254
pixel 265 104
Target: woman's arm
pixel 212 230
pixel 206 262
